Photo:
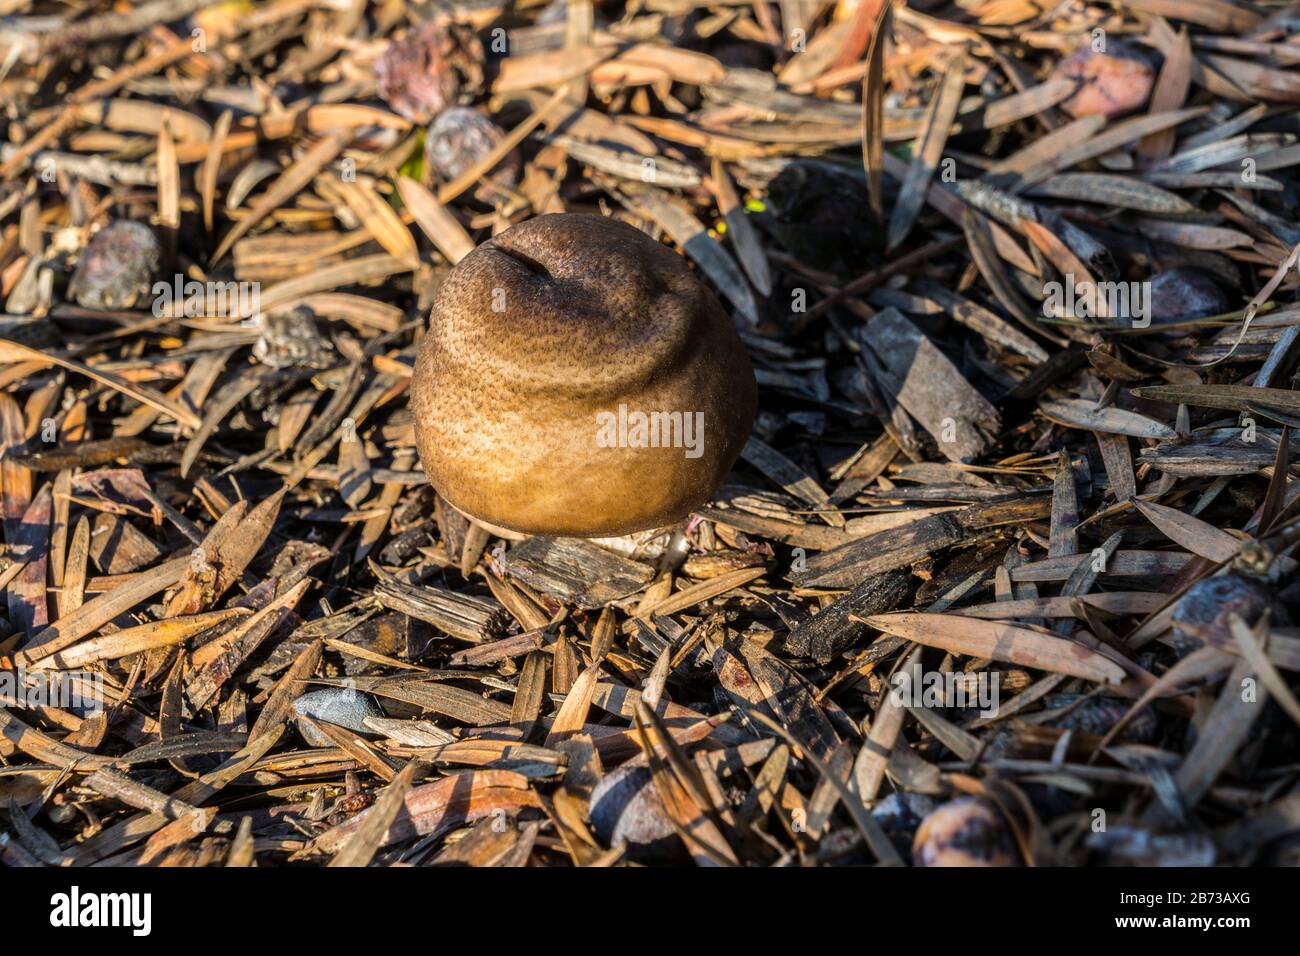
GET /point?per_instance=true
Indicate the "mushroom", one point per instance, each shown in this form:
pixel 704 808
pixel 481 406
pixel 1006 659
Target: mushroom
pixel 578 379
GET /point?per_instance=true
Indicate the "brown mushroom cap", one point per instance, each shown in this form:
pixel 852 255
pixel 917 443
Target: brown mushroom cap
pixel 545 344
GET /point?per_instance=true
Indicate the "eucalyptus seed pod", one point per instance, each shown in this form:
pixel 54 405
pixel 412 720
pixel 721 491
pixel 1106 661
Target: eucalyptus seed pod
pixel 1097 715
pixel 335 705
pixel 1182 295
pixel 291 339
pixel 1114 79
pixel 626 810
pixel 967 831
pixel 117 268
pixel 1201 614
pixel 417 74
pixel 459 138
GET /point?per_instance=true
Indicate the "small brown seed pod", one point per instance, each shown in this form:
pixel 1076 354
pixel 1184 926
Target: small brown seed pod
pixel 1201 615
pixel 1180 295
pixel 1114 80
pixel 419 75
pixel 968 831
pixel 578 379
pixel 459 138
pixel 117 267
pixel 626 810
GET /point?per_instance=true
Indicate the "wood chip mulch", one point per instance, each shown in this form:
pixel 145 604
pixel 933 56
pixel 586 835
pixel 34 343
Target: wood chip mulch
pixel 1066 523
